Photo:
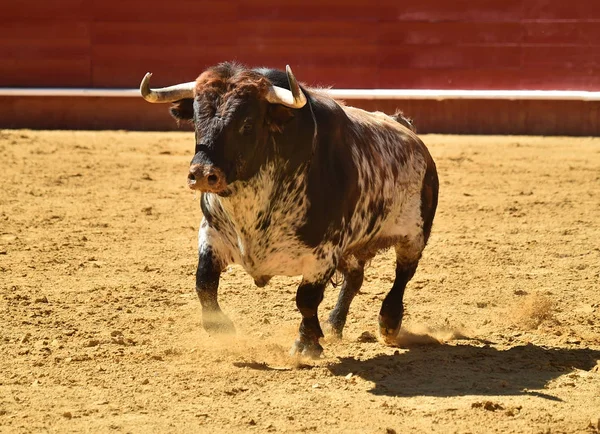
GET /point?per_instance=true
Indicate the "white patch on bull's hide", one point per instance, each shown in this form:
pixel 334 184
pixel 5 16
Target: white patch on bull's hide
pixel 273 248
pixel 387 212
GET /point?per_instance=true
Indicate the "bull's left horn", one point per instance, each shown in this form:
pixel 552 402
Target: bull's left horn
pixel 166 94
pixel 293 99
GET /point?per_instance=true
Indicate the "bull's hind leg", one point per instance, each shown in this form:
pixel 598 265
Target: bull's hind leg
pixel 353 279
pixel 392 308
pixel 408 253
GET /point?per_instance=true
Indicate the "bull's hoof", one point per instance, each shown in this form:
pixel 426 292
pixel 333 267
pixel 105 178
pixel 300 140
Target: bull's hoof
pixel 333 330
pixel 389 331
pixel 389 336
pixel 306 349
pixel 217 324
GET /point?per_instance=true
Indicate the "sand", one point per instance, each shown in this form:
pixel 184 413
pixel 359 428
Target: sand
pixel 100 327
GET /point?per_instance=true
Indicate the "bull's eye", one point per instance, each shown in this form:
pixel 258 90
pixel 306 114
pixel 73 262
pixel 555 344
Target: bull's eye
pixel 246 128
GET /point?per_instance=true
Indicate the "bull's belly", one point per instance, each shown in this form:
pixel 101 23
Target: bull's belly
pixel 402 228
pixel 291 262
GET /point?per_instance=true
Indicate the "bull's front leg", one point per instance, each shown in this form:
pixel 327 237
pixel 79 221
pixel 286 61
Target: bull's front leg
pixel 208 275
pixel 308 298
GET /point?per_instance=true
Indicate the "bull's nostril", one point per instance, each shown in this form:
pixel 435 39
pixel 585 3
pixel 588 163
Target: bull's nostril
pixel 191 177
pixel 212 179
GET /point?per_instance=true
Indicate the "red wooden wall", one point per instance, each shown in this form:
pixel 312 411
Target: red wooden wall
pixel 469 44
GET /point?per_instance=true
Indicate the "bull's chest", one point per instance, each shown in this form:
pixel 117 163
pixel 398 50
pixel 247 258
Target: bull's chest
pixel 264 241
pixel 271 251
pixel 259 226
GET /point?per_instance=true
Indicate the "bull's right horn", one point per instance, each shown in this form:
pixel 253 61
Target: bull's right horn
pixel 166 94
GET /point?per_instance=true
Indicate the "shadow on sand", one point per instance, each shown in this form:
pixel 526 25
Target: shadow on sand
pixel 457 370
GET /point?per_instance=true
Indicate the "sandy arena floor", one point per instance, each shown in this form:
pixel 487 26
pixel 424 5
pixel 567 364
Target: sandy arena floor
pixel 100 325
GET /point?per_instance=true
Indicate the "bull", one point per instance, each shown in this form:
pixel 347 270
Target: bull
pixel 294 183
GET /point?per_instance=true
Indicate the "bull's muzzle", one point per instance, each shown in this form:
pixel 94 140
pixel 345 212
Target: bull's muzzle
pixel 206 178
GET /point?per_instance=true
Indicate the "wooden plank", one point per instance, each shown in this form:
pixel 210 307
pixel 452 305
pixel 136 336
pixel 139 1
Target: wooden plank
pixel 560 10
pixel 491 78
pixel 327 10
pixel 559 78
pixel 449 33
pixel 168 34
pixel 459 10
pixel 45 11
pixel 572 57
pixel 332 31
pixel 76 34
pixel 476 78
pixel 188 12
pixel 123 52
pixel 124 67
pixel 49 73
pixel 562 33
pixel 45 54
pixel 450 56
pixel 311 54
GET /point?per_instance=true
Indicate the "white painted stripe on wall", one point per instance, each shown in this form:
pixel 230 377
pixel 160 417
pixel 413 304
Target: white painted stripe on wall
pixel 433 94
pixel 30 91
pixel 368 94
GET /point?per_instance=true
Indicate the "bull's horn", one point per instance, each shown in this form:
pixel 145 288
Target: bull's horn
pixel 293 99
pixel 166 94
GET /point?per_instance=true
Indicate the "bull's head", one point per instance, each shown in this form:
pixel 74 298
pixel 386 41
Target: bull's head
pixel 235 112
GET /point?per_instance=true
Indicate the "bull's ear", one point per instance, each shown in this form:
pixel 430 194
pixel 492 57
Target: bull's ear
pixel 183 110
pixel 279 115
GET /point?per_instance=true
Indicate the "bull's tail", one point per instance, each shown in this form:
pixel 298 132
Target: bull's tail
pixel 401 119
